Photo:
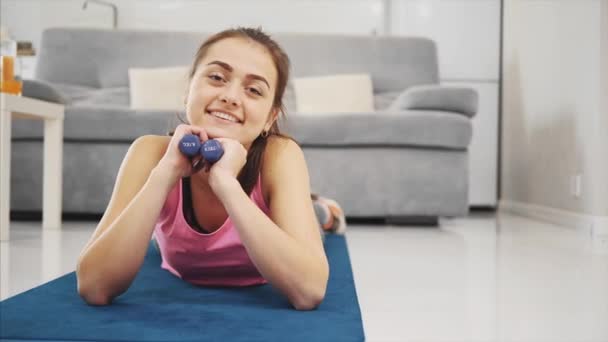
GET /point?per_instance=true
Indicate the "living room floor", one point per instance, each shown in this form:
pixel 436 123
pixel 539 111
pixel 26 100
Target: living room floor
pixel 486 277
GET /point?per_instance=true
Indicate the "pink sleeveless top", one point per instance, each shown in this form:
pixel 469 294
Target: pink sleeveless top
pixel 210 259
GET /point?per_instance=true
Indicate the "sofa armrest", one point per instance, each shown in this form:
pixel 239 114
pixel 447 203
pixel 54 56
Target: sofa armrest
pixel 42 90
pixel 461 100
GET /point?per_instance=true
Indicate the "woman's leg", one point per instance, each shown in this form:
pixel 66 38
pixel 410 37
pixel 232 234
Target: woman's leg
pixel 329 215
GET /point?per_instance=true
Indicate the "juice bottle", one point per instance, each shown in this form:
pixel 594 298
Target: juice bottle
pixel 11 81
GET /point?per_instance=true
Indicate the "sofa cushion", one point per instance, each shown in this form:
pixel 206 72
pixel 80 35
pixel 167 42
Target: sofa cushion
pixel 105 97
pixel 462 100
pixel 89 96
pixel 384 99
pixel 384 129
pixel 97 123
pixel 158 88
pixel 44 91
pixel 344 93
pixel 73 92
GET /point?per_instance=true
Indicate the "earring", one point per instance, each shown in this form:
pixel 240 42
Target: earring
pixel 264 134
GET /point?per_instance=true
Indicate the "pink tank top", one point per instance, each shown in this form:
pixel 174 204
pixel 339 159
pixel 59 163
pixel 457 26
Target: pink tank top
pixel 210 259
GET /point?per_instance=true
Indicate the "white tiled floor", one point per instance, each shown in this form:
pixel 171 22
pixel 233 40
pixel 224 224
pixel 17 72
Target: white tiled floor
pixel 482 278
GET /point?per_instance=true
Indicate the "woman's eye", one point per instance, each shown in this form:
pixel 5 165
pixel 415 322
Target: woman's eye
pixel 216 77
pixel 255 91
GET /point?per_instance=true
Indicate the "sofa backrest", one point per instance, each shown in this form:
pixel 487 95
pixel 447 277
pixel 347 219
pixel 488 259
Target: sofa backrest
pixel 101 58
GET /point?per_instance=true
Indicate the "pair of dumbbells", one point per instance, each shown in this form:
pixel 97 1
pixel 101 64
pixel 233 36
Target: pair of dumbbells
pixel 211 150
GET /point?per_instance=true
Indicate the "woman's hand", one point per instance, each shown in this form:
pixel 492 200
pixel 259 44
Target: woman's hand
pixel 175 164
pixel 228 167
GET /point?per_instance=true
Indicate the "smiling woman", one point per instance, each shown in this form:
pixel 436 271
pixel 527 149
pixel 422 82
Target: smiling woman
pixel 248 220
pixel 211 71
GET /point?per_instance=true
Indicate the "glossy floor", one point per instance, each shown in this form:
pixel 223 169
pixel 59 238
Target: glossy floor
pixel 486 277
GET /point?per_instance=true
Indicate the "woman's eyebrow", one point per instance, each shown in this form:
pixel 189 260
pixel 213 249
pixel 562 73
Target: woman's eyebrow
pixel 229 68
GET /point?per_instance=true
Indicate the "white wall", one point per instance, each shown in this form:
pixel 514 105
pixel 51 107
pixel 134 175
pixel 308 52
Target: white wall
pixel 554 111
pixel 466 31
pixel 602 126
pixel 27 18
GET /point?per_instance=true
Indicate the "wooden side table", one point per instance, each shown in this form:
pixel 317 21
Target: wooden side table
pixel 20 107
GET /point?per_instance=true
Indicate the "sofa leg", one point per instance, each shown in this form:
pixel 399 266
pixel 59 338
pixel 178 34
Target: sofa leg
pixel 412 220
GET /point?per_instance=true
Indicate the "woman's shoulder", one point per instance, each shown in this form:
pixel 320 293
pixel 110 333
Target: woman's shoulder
pixel 278 143
pixel 152 142
pixel 145 152
pixel 150 146
pixel 282 156
pixel 280 149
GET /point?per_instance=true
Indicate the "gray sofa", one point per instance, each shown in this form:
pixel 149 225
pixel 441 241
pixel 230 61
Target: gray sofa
pixel 407 160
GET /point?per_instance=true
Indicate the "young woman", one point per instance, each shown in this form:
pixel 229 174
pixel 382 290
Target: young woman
pixel 247 220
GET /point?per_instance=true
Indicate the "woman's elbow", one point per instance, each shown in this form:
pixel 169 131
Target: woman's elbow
pixel 309 303
pixel 311 299
pixel 89 290
pixel 92 295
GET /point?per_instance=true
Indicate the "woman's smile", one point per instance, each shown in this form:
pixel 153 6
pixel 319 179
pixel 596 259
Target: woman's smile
pixel 224 117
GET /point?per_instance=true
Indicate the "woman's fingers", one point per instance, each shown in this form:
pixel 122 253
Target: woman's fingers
pixel 203 135
pixel 184 129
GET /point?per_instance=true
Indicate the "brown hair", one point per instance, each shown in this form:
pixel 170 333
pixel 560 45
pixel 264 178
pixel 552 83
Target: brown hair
pixel 248 176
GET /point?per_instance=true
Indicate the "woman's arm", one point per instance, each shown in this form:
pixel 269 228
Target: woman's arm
pixel 287 249
pixel 112 257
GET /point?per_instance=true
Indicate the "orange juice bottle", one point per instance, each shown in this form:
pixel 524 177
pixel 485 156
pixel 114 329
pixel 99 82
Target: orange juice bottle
pixel 10 82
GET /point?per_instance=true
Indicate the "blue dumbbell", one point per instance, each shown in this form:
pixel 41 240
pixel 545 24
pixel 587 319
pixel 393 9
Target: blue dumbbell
pixel 190 145
pixel 211 150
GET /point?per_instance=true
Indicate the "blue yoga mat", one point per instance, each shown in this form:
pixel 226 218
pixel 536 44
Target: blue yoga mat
pixel 160 307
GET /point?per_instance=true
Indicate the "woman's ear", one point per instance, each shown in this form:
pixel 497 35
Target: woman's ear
pixel 274 115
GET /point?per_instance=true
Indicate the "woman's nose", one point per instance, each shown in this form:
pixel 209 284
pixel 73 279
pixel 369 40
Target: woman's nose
pixel 230 96
pixel 228 100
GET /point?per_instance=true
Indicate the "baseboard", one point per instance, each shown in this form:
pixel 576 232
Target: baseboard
pixel 431 221
pixel 36 215
pixel 592 225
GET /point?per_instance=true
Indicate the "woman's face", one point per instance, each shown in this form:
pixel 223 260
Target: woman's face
pixel 232 91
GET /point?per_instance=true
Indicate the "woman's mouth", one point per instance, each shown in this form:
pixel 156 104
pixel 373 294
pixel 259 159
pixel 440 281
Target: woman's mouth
pixel 224 116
